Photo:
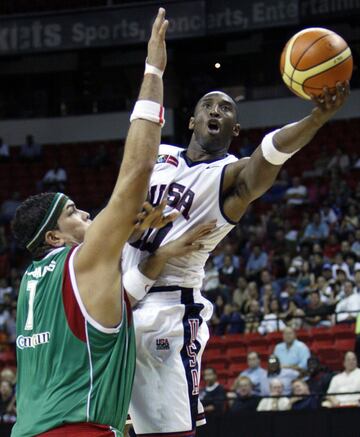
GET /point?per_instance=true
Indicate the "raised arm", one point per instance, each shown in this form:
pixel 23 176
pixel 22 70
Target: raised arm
pixel 97 261
pixel 248 179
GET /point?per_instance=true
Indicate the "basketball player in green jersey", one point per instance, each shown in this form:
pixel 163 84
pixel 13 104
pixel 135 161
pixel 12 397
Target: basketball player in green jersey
pixel 75 340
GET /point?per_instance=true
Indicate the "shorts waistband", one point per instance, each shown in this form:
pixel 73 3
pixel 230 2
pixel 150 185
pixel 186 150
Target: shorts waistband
pixel 170 288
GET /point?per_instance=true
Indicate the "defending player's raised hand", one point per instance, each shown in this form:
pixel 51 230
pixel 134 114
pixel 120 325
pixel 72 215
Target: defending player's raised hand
pixel 187 243
pixel 156 54
pixel 153 217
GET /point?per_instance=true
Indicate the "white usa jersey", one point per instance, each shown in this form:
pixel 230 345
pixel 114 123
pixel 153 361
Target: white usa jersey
pixel 194 190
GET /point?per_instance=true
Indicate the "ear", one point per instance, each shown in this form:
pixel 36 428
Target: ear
pixel 236 130
pixel 54 239
pixel 192 123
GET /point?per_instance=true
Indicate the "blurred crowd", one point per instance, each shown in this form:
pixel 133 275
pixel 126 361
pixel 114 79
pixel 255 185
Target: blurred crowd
pixel 294 258
pixel 7 395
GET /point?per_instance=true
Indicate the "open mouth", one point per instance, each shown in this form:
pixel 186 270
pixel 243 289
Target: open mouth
pixel 214 127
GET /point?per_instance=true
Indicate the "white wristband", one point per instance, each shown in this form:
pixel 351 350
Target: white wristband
pixel 270 153
pixel 136 284
pixel 151 69
pixel 148 110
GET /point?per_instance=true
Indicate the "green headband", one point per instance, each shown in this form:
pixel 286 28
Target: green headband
pixel 49 221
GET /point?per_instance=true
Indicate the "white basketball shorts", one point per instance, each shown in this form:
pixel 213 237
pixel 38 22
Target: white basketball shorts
pixel 171 334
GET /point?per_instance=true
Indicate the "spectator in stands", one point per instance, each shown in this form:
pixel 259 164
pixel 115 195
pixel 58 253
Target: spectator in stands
pixel 255 372
pixel 316 230
pixel 239 294
pixel 4 151
pixel 301 399
pixel 331 246
pixel 213 396
pixel 345 248
pixel 267 279
pixel 244 398
pixel 292 353
pixel 349 306
pixel 257 261
pixel 325 290
pixel 8 374
pixel 228 274
pixel 227 249
pixel 340 265
pixel 285 375
pixel 352 264
pixel 340 160
pixel 317 262
pixel 230 321
pixel 350 222
pixel 8 208
pixel 272 319
pixel 30 151
pixel 346 382
pixel 290 299
pixel 328 215
pixel 305 278
pixel 251 293
pixel 318 377
pixel 297 194
pixel 253 317
pixel 327 272
pixel 276 403
pixel 303 255
pixel 316 312
pixel 355 247
pixel 55 178
pixel 7 399
pixel 219 305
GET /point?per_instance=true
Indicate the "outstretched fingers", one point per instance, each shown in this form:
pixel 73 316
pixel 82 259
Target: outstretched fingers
pixel 160 24
pixel 200 231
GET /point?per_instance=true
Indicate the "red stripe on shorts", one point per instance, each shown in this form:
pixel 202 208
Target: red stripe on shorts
pixel 79 430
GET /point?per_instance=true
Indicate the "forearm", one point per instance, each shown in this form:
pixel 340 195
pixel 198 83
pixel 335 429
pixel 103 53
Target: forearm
pixel 142 143
pixel 294 136
pixel 153 265
pixel 138 280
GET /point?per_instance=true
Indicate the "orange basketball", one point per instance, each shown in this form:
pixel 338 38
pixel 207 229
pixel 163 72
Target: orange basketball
pixel 315 58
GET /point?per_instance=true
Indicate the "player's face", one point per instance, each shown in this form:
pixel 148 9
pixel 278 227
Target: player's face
pixel 214 122
pixel 72 224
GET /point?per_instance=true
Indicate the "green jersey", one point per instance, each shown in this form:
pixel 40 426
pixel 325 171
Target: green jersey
pixel 70 368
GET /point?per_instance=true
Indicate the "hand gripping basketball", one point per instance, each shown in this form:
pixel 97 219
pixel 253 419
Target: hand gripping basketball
pixel 328 103
pixel 156 54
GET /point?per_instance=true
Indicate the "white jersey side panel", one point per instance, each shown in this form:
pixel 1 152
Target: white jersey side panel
pixel 194 190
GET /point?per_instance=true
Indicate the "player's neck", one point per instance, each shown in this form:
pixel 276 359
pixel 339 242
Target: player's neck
pixel 196 153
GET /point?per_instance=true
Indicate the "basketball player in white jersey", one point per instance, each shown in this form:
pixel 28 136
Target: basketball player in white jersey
pixel 202 183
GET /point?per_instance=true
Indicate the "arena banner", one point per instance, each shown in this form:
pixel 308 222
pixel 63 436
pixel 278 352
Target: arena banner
pixel 131 24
